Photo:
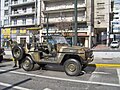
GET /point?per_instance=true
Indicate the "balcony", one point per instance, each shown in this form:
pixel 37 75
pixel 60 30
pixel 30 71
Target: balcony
pixel 18 25
pixel 66 19
pixel 64 10
pixel 62 7
pixel 21 3
pixel 14 14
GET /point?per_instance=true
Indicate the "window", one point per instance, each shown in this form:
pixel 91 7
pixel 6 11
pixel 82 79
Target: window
pixel 115 22
pixel 33 20
pixel 6 3
pixel 15 11
pixel 33 9
pixel 15 1
pixel 6 22
pixel 101 17
pixel 116 17
pixel 24 10
pixel 6 12
pixel 24 21
pixel 15 21
pixel 100 6
pixel 24 0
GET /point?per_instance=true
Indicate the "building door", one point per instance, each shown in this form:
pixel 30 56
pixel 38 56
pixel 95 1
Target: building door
pixel 23 39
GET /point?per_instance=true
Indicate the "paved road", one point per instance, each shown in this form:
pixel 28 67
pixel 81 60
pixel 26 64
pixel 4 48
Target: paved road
pixel 53 78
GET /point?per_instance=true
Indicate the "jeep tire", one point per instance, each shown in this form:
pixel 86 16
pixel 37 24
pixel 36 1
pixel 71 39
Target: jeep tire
pixel 72 67
pixel 27 63
pixel 18 52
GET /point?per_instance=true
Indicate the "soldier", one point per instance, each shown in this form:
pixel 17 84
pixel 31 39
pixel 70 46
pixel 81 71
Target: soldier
pixel 12 44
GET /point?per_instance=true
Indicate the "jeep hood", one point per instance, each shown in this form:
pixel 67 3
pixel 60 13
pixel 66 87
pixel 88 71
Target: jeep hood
pixel 77 48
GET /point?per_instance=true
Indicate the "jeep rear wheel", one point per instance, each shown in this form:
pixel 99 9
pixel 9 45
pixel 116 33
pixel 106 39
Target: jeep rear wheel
pixel 72 67
pixel 18 52
pixel 27 64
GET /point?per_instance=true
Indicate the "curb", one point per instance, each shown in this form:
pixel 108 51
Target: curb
pixel 105 65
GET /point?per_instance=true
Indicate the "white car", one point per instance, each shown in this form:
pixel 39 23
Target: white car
pixel 114 44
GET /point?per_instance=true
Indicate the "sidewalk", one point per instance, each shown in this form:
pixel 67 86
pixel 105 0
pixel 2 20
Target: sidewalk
pixel 101 47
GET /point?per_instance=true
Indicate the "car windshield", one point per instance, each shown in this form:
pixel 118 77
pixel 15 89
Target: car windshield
pixel 59 39
pixel 114 42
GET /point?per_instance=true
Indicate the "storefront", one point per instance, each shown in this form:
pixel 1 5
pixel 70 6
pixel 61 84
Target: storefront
pixel 83 38
pixel 5 36
pixel 10 33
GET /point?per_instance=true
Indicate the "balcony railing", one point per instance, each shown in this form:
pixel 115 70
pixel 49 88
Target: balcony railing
pixel 19 2
pixel 21 24
pixel 66 19
pixel 64 7
pixel 21 13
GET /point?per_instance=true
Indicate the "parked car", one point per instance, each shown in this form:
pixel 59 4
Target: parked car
pixel 114 44
pixel 1 54
pixel 53 50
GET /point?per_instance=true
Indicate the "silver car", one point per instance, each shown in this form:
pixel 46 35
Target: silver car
pixel 114 44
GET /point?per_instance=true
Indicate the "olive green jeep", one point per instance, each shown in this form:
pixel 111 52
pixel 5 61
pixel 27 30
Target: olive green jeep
pixel 54 49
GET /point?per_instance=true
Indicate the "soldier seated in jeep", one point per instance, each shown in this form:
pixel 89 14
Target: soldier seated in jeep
pixel 54 49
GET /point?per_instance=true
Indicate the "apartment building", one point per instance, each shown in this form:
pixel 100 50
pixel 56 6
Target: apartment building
pixel 60 15
pixel 16 17
pixel 0 23
pixel 116 20
pixel 102 20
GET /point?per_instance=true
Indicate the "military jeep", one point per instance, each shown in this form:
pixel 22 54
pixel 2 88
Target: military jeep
pixel 54 49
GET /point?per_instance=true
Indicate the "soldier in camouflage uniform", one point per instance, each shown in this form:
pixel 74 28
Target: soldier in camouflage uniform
pixel 12 44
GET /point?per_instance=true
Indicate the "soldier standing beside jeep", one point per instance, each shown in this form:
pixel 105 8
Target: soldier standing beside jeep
pixel 12 44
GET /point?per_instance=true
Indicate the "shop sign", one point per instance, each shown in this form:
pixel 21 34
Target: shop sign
pixel 6 32
pixel 22 31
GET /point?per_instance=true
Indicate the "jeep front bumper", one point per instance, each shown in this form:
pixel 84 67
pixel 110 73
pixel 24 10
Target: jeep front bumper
pixel 90 59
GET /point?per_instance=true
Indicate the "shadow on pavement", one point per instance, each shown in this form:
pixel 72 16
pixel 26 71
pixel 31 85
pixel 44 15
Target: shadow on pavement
pixel 90 69
pixel 54 67
pixel 1 72
pixel 59 68
pixel 5 65
pixel 16 84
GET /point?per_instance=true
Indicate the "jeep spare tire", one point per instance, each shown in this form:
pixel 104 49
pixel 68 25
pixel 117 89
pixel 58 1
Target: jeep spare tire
pixel 18 52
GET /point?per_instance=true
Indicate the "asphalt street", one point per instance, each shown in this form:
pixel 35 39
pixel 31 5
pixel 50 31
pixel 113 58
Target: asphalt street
pixel 52 77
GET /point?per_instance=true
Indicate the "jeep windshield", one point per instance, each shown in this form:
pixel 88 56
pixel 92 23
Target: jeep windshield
pixel 59 40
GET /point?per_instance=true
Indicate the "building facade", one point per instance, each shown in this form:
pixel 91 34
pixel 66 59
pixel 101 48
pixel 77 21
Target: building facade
pixel 16 17
pixel 102 20
pixel 116 21
pixel 60 15
pixel 93 18
pixel 0 23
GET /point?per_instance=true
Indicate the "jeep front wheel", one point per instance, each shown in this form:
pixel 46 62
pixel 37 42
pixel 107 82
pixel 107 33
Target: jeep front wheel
pixel 72 67
pixel 27 64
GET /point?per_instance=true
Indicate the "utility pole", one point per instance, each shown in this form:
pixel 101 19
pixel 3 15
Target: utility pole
pixel 47 26
pixel 75 22
pixel 35 13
